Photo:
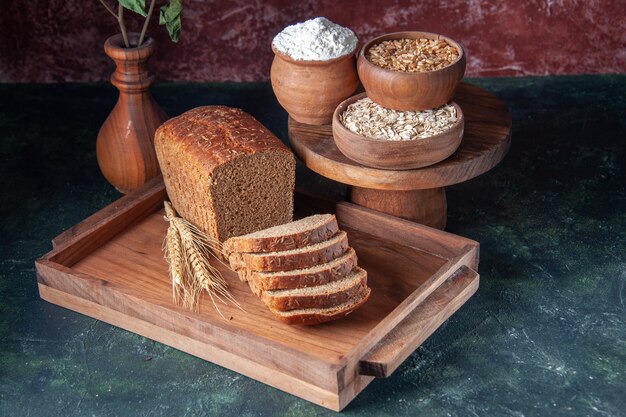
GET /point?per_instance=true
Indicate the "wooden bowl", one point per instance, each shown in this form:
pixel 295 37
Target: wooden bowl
pixel 410 90
pixel 391 154
pixel 311 90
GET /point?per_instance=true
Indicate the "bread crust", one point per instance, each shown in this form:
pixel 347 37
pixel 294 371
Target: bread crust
pixel 294 302
pixel 290 280
pixel 308 319
pixel 282 243
pixel 281 261
pixel 218 134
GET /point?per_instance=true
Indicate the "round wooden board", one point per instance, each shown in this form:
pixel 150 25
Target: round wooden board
pixel 486 140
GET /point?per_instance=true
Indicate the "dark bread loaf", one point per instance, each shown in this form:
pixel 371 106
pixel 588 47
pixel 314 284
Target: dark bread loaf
pixel 225 172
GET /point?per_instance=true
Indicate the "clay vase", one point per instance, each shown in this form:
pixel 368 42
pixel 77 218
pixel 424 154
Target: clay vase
pixel 125 145
pixel 311 90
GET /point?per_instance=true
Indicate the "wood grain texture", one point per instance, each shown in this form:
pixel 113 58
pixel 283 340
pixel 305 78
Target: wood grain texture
pixel 395 154
pixel 486 140
pixel 410 90
pixel 436 242
pixel 113 269
pixel 89 234
pixel 399 343
pixel 124 147
pixel 311 90
pixel 154 188
pixel 427 206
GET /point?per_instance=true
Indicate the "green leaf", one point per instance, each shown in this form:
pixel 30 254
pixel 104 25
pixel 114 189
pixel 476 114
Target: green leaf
pixel 137 6
pixel 171 17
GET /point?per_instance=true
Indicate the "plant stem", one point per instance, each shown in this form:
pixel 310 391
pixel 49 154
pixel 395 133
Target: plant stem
pixel 106 6
pixel 120 19
pixel 145 24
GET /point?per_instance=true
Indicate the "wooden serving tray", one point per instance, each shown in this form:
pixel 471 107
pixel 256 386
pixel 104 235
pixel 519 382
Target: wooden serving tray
pixel 111 267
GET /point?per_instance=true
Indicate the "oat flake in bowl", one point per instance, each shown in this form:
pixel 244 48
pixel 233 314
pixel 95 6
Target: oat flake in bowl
pixel 366 118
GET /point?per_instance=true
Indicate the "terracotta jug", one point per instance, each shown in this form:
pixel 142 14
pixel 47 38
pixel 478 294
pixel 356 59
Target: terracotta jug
pixel 311 90
pixel 125 145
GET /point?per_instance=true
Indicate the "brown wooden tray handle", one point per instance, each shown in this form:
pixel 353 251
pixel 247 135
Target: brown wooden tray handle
pixel 387 355
pixel 154 186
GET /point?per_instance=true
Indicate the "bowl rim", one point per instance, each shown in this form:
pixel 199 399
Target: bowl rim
pixel 311 62
pixel 336 123
pixel 402 35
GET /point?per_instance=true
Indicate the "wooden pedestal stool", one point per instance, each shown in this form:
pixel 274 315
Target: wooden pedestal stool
pixel 416 194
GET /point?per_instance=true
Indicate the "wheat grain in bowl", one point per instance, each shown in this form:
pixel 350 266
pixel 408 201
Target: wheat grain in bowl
pixel 366 118
pixel 413 55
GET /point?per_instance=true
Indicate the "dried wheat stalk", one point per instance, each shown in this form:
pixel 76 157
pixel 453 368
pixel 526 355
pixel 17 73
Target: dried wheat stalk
pixel 188 251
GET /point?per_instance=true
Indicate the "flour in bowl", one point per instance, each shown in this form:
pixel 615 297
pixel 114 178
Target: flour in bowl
pixel 316 39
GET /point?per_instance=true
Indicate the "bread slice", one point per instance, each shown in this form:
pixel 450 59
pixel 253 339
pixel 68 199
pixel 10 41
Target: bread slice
pixel 294 235
pixel 321 296
pixel 299 278
pixel 310 316
pixel 300 258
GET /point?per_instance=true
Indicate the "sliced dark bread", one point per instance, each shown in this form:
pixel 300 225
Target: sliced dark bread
pixel 300 258
pixel 310 316
pixel 323 296
pixel 294 235
pixel 299 278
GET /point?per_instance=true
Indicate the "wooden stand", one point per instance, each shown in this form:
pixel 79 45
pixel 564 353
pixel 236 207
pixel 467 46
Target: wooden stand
pixel 421 206
pixel 415 194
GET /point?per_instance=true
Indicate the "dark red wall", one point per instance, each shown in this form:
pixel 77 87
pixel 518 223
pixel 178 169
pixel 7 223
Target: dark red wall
pixel 61 40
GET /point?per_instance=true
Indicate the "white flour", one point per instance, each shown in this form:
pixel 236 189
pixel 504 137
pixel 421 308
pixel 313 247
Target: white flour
pixel 316 39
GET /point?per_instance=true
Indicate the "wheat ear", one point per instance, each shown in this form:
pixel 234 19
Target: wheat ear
pixel 174 256
pixel 195 273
